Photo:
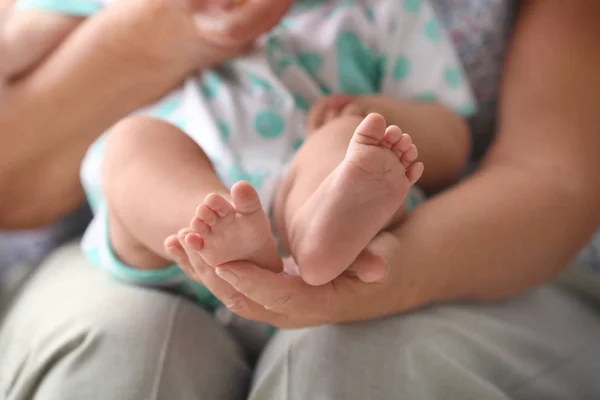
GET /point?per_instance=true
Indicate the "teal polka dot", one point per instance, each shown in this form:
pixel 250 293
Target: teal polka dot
pixel 358 66
pixel 433 31
pixel 182 124
pixel 401 68
pixel 274 47
pixel 325 90
pixel 94 198
pixel 98 146
pixel 259 82
pixel 344 4
pixel 269 124
pixel 426 96
pixel 300 6
pixel 224 131
pixel 301 103
pixel 382 64
pixel 286 61
pixel 311 61
pixel 167 108
pixel 288 23
pixel 297 144
pixel 466 110
pixel 94 255
pixel 411 6
pixel 370 14
pixel 453 77
pixel 212 83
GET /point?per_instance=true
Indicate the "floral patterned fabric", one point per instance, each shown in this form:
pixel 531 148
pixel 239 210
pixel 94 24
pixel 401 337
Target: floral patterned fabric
pixel 480 31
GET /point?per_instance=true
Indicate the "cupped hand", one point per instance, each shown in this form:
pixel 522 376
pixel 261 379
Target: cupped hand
pixel 284 300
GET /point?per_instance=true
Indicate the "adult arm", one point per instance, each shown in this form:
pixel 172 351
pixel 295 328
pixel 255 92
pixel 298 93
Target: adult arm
pixel 513 225
pixel 125 57
pixel 535 201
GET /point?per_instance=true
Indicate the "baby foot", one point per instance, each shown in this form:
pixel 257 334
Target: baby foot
pixel 355 201
pixel 241 231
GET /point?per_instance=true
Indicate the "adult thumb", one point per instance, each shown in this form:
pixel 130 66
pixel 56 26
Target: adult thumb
pixel 372 265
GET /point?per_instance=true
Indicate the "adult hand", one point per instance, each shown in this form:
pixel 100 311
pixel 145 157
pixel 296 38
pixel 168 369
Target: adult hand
pixel 285 300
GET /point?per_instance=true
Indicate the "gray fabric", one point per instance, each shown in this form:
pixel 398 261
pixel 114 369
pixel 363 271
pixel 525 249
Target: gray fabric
pixel 21 250
pixel 545 345
pixel 74 334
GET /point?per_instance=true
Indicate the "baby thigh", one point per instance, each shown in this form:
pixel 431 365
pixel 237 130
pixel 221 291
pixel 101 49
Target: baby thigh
pixel 153 177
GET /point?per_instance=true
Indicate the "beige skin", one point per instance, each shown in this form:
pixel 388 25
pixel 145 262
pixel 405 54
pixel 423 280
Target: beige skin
pixel 170 178
pixel 172 173
pixel 513 225
pixel 495 234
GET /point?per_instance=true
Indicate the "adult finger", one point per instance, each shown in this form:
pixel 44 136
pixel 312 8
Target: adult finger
pixel 372 265
pixel 231 298
pixel 241 305
pixel 280 292
pixel 369 267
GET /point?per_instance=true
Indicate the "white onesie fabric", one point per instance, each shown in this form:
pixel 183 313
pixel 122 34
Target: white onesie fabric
pixel 249 115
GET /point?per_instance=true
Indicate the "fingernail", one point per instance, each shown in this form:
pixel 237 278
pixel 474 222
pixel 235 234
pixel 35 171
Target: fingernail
pixel 227 276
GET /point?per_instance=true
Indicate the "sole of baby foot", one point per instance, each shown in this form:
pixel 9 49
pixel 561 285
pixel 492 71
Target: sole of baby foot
pixel 355 202
pixel 237 231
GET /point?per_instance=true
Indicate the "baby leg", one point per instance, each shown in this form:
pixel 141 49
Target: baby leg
pixel 27 36
pixel 348 181
pixel 154 177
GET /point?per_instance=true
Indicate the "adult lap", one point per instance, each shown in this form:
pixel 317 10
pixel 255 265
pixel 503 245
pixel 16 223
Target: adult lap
pixel 73 332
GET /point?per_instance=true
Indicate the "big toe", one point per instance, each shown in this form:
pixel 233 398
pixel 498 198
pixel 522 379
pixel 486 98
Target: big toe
pixel 371 130
pixel 245 198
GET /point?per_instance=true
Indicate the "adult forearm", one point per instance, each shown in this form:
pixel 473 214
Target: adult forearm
pixel 500 233
pixel 519 221
pixel 87 84
pixel 43 191
pixel 49 118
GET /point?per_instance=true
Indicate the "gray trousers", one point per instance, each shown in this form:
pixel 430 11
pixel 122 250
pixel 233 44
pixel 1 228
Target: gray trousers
pixel 72 333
